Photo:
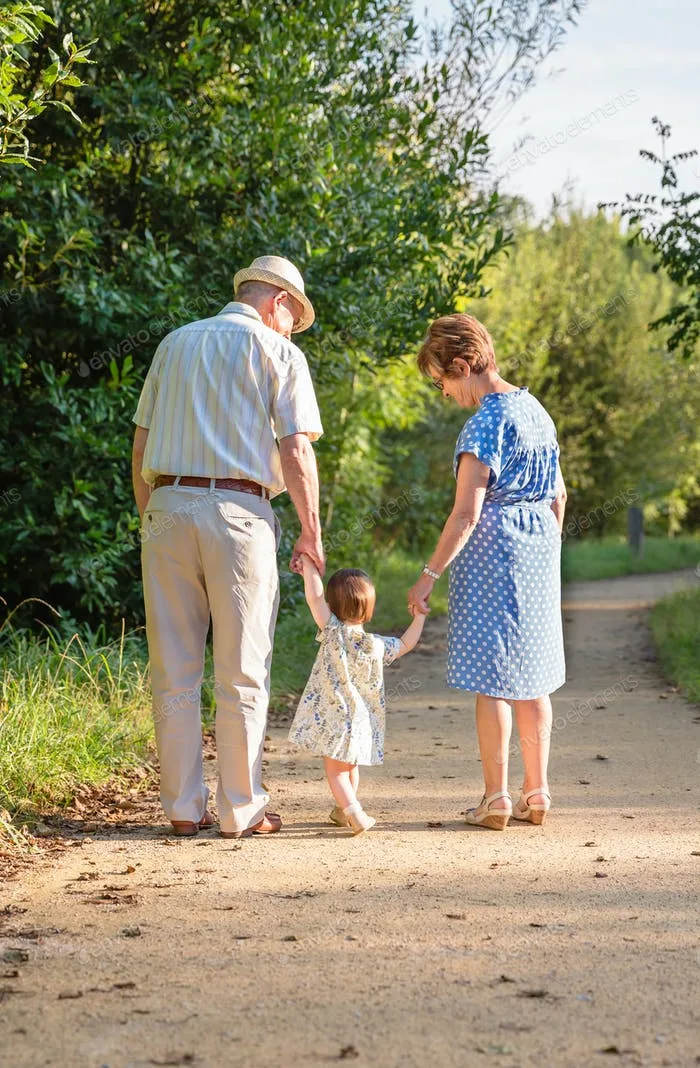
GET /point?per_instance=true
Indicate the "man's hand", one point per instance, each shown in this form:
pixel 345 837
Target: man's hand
pixel 313 547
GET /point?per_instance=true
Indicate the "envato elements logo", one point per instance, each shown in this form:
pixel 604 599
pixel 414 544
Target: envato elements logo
pixel 389 510
pixel 156 328
pixel 10 497
pixel 581 710
pixel 153 525
pixel 10 296
pixel 404 688
pixel 578 712
pixel 578 324
pixel 583 124
pixel 184 701
pixel 193 110
pixel 608 508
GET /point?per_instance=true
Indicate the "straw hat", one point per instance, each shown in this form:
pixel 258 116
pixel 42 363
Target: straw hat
pixel 278 271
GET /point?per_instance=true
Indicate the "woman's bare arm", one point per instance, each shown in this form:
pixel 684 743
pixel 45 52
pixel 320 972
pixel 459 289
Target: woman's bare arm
pixel 559 502
pixel 472 482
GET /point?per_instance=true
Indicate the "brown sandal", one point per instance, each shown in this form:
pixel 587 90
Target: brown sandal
pixel 271 823
pixel 187 829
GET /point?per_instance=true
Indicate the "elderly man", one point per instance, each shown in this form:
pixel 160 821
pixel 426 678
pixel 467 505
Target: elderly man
pixel 224 423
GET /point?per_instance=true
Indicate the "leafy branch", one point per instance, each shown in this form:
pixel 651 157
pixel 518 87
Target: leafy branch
pixel 21 26
pixel 670 222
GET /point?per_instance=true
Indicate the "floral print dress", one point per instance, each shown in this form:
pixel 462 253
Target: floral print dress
pixel 342 711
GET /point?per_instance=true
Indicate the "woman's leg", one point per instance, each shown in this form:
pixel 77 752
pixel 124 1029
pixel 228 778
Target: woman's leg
pixel 355 777
pixel 534 719
pixel 339 775
pixel 493 727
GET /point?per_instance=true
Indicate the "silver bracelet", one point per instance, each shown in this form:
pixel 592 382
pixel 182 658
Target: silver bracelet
pixel 433 574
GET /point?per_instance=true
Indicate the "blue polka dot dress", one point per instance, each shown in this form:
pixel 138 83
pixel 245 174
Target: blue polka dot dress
pixel 505 632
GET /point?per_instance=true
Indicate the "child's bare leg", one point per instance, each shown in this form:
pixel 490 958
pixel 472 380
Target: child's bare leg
pixel 355 777
pixel 343 779
pixel 339 775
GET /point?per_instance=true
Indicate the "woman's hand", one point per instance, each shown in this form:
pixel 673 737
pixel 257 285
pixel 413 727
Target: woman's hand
pixel 419 595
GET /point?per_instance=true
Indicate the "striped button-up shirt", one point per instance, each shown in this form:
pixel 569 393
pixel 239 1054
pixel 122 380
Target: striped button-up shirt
pixel 219 395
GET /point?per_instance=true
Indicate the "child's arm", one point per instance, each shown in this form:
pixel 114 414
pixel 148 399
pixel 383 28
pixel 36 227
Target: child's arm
pixel 313 591
pixel 409 638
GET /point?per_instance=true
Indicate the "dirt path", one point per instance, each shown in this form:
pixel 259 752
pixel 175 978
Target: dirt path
pixel 424 942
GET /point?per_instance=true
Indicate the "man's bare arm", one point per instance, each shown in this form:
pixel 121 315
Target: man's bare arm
pixel 301 479
pixel 142 491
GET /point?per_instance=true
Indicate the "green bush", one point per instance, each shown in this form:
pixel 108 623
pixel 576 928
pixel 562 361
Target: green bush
pixel 675 623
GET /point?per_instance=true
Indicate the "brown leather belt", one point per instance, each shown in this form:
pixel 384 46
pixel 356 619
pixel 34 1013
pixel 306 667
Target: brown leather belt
pixel 242 485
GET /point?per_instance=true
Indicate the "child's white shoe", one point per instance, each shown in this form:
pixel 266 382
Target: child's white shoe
pixel 359 821
pixel 338 817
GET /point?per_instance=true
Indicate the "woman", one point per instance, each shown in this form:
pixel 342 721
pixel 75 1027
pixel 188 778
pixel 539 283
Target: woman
pixel 503 539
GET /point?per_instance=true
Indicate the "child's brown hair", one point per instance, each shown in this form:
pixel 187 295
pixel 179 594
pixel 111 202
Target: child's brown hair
pixel 350 595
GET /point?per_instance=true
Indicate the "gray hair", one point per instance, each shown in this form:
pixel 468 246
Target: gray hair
pixel 249 292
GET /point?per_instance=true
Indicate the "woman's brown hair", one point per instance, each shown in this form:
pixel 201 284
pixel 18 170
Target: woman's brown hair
pixel 454 336
pixel 350 595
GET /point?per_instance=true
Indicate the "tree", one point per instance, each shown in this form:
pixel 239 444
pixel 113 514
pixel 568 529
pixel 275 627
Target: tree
pixel 670 223
pixel 568 311
pixel 212 133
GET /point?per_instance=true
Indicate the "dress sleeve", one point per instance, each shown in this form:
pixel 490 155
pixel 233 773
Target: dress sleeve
pixel 392 647
pixel 482 435
pixel 325 632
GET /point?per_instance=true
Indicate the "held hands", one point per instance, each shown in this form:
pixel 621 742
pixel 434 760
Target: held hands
pixel 411 636
pixel 419 596
pixel 312 546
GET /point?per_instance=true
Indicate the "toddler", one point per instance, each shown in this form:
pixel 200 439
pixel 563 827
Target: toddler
pixel 341 712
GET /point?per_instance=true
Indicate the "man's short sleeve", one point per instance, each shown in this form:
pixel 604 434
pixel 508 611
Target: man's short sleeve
pixel 147 400
pixel 482 435
pixel 294 404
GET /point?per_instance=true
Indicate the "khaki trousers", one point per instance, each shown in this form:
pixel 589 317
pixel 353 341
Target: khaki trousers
pixel 210 553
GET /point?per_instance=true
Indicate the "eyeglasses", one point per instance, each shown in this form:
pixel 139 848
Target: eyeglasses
pixel 438 383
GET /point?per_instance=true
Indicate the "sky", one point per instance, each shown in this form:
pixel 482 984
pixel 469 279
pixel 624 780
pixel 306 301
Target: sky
pixel 590 111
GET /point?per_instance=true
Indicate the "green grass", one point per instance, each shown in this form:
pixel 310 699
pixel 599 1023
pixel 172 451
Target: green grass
pixel 393 576
pixel 294 654
pixel 70 714
pixel 610 557
pixel 675 624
